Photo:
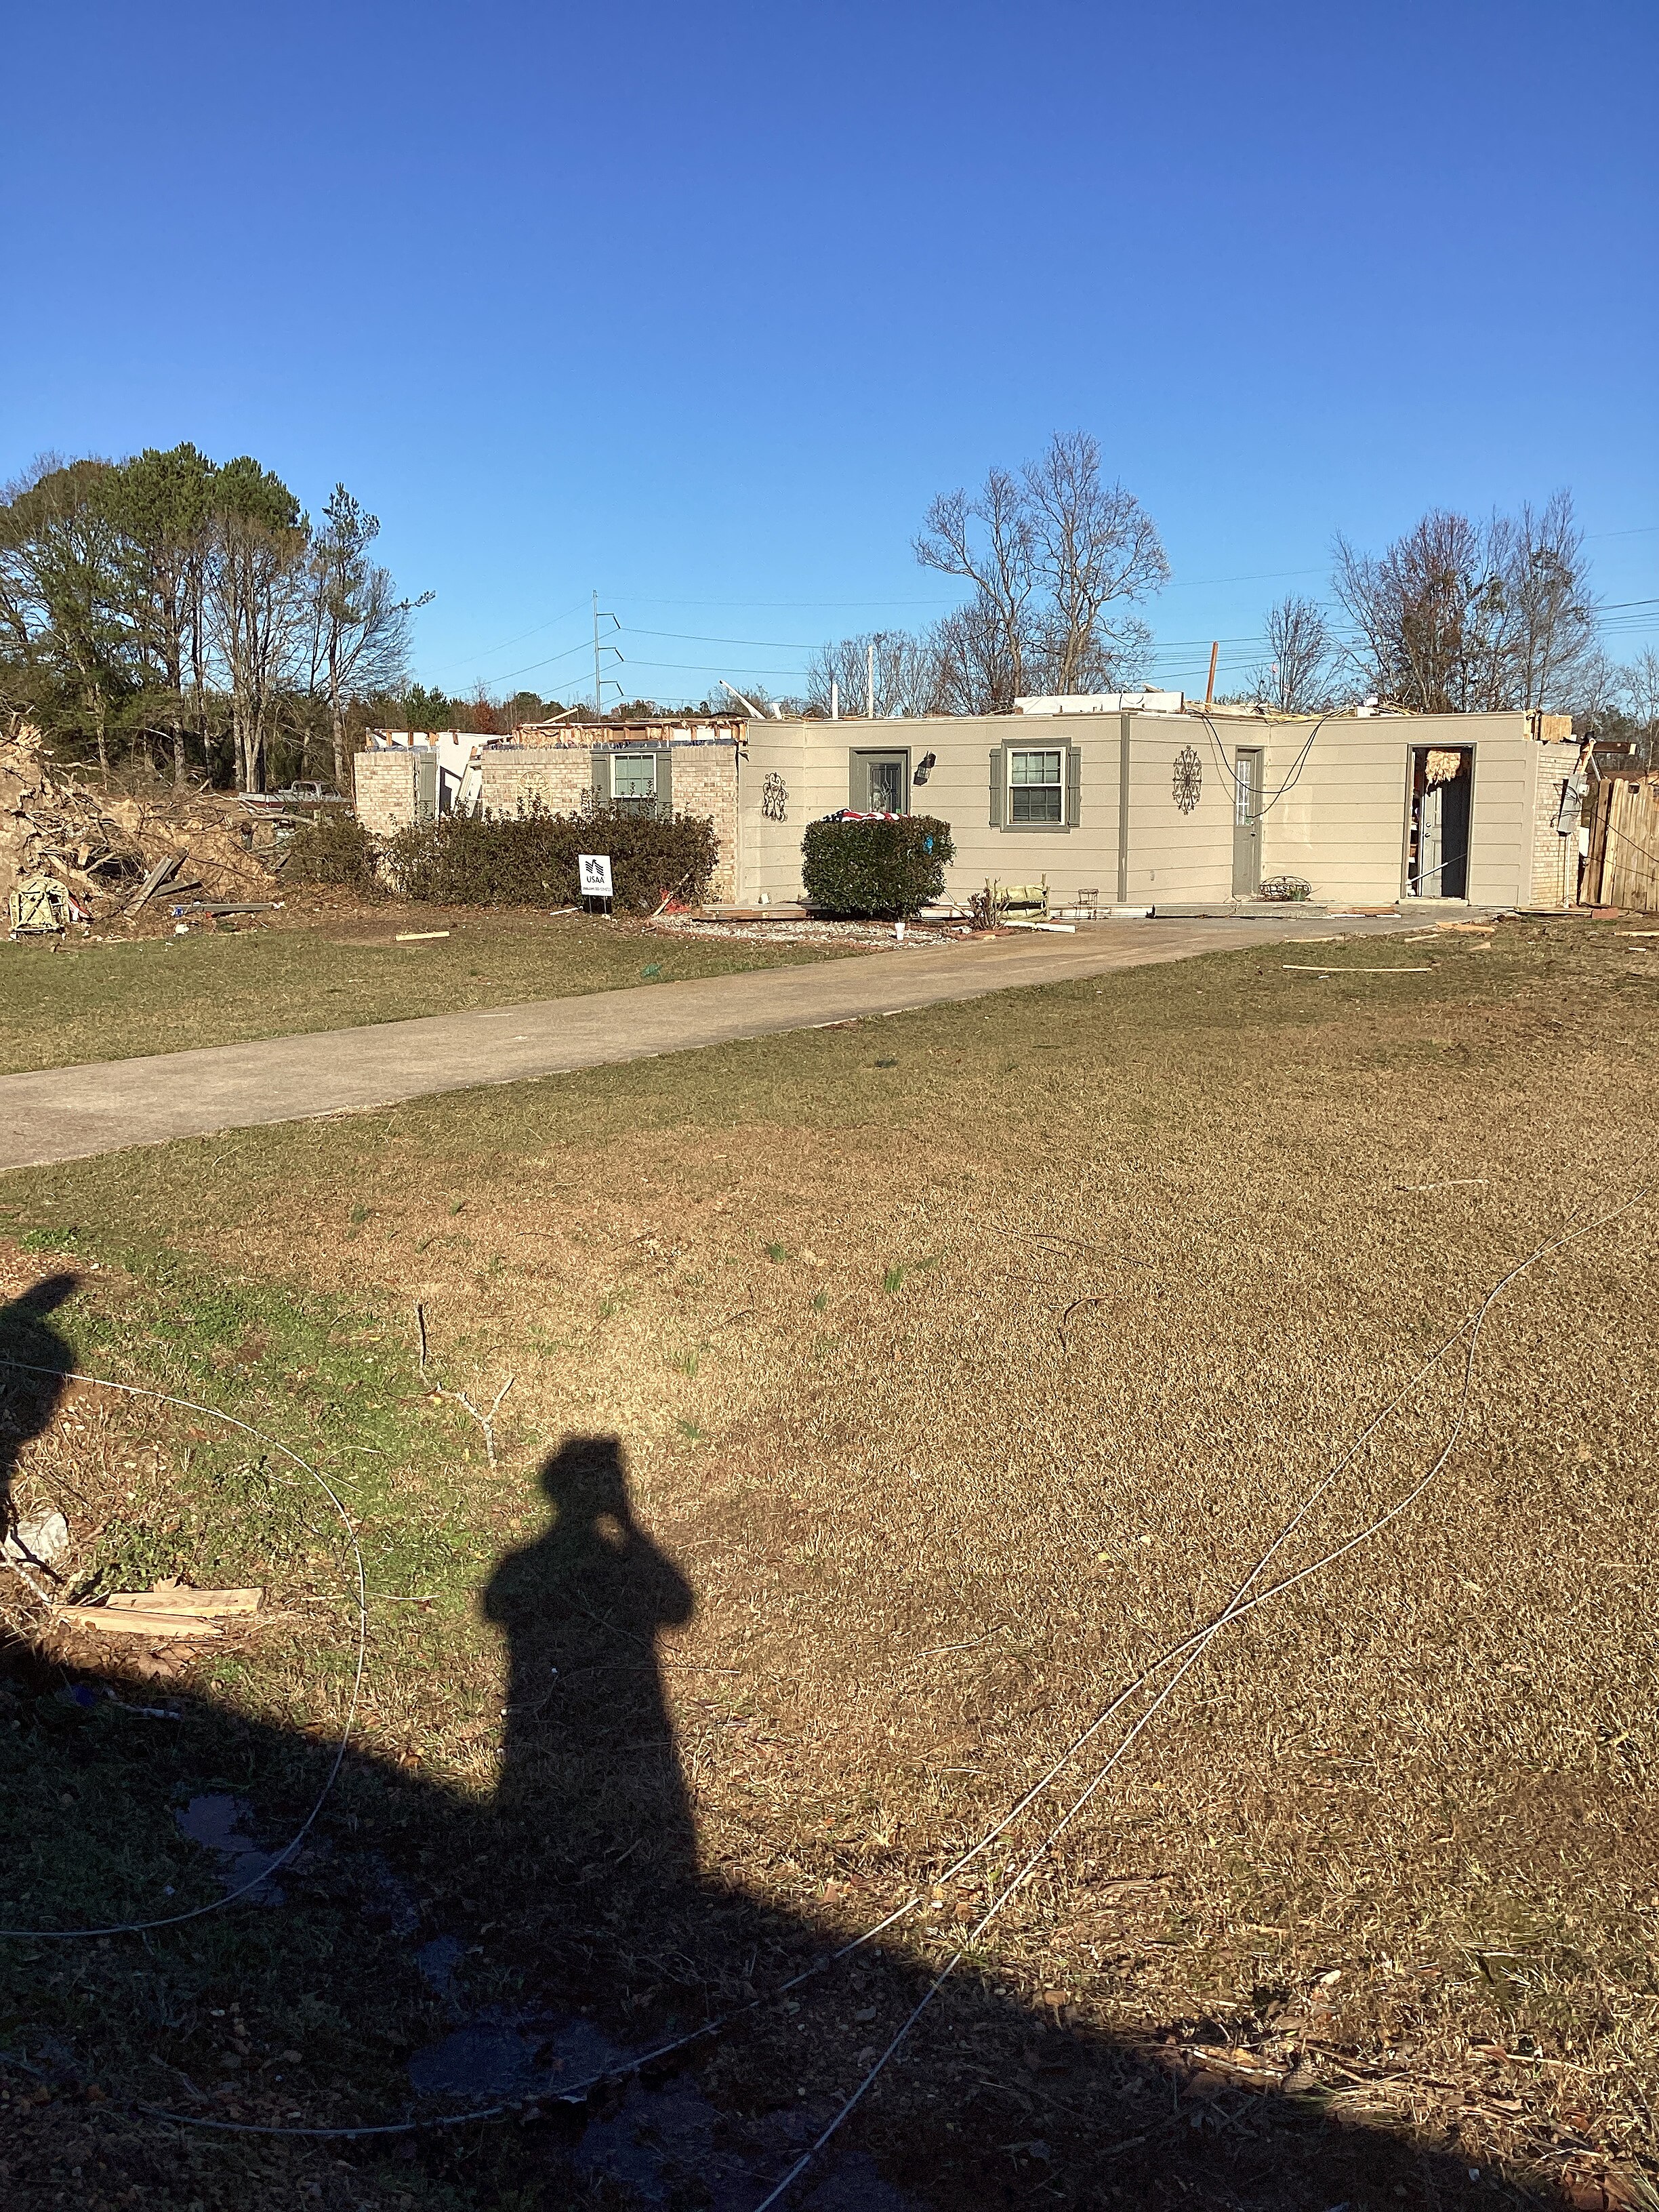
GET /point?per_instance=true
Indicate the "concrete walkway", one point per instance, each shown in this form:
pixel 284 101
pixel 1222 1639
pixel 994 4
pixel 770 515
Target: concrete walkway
pixel 66 1113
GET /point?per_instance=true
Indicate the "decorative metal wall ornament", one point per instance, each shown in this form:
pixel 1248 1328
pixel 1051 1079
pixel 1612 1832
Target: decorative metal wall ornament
pixel 1186 785
pixel 775 798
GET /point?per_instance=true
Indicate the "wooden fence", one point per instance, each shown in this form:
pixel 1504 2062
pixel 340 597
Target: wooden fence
pixel 1623 868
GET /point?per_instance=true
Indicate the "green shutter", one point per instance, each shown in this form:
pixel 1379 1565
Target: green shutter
pixel 1073 785
pixel 601 778
pixel 666 781
pixel 998 775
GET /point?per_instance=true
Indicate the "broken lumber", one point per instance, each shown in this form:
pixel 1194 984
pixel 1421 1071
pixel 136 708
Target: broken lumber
pixel 123 1620
pixel 157 876
pixel 179 1597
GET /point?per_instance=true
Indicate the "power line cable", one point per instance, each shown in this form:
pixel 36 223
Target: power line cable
pixel 1237 1606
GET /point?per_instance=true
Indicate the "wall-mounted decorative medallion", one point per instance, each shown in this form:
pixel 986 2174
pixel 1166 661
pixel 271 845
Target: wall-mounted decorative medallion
pixel 1186 785
pixel 775 798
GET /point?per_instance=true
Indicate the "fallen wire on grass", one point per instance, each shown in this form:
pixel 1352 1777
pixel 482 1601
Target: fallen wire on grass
pixel 486 1421
pixel 1188 1653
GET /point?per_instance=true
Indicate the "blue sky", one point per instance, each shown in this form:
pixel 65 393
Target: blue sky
pixel 698 305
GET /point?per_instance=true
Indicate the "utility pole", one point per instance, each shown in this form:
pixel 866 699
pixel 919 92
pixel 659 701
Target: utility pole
pixel 835 700
pixel 1209 689
pixel 869 680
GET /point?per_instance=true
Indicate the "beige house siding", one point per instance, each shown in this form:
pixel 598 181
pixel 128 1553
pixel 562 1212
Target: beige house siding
pixel 814 762
pixel 1340 821
pixel 1175 856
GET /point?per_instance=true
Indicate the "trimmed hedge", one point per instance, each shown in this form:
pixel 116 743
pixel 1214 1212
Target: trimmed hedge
pixel 529 859
pixel 886 866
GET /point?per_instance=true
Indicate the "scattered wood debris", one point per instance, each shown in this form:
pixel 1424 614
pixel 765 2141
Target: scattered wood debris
pixel 116 855
pixel 170 1610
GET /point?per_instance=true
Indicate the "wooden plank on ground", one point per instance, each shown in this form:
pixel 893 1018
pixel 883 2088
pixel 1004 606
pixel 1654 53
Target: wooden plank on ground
pixel 121 1620
pixel 179 1597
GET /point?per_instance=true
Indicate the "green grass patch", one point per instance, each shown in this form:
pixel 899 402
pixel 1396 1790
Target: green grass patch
pixel 79 1001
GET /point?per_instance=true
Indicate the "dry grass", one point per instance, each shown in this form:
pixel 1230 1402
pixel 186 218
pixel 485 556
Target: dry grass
pixel 961 1363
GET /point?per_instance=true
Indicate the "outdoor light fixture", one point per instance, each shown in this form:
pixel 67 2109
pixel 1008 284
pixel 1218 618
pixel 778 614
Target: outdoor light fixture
pixel 924 767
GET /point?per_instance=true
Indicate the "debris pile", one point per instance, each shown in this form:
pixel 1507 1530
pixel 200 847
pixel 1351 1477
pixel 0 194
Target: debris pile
pixel 104 849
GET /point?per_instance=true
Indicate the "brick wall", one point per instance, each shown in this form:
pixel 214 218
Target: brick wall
pixel 1554 857
pixel 703 773
pixel 705 781
pixel 560 776
pixel 384 784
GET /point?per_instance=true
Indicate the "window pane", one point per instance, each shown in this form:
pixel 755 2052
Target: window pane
pixel 884 786
pixel 1034 767
pixel 1034 802
pixel 634 775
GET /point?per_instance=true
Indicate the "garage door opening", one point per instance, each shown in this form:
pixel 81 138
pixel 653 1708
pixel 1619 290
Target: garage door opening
pixel 1437 829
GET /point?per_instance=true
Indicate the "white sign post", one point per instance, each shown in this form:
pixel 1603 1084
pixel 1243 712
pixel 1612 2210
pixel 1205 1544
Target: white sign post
pixel 593 874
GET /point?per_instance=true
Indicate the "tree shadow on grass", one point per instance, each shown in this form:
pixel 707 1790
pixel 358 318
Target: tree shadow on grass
pixel 510 1948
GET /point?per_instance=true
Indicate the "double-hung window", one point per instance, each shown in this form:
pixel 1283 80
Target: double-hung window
pixel 634 775
pixel 1037 792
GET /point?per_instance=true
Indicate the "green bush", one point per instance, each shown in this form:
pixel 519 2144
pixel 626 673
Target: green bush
pixel 334 848
pixel 889 866
pixel 529 859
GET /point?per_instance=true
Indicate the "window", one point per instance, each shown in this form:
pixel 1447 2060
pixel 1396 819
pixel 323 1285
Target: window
pixel 1035 790
pixel 886 791
pixel 878 782
pixel 634 775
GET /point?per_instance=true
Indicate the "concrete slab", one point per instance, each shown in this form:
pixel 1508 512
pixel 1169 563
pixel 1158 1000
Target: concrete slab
pixel 65 1114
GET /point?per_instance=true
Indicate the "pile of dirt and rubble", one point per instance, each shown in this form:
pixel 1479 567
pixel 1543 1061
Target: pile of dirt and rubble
pixel 104 848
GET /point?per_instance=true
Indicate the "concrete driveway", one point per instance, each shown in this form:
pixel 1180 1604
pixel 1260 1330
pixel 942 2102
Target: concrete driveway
pixel 65 1114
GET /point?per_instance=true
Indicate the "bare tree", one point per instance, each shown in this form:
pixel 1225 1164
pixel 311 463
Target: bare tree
pixel 1639 684
pixel 973 668
pixel 1540 558
pixel 906 670
pixel 1094 549
pixel 1301 650
pixel 989 541
pixel 1455 618
pixel 1055 556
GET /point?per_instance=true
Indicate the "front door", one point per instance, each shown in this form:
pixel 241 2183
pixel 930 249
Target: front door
pixel 1437 825
pixel 1246 822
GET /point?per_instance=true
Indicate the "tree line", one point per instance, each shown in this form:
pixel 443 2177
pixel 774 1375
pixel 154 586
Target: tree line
pixel 170 610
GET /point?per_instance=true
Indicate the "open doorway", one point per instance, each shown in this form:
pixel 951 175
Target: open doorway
pixel 1437 822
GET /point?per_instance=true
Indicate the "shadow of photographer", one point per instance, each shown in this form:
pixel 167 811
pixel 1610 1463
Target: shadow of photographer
pixel 566 1920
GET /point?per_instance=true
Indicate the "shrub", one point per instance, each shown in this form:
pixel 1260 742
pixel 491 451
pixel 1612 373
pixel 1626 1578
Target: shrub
pixel 889 865
pixel 529 859
pixel 334 848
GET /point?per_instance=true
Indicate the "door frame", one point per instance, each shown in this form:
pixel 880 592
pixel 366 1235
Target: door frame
pixel 1412 749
